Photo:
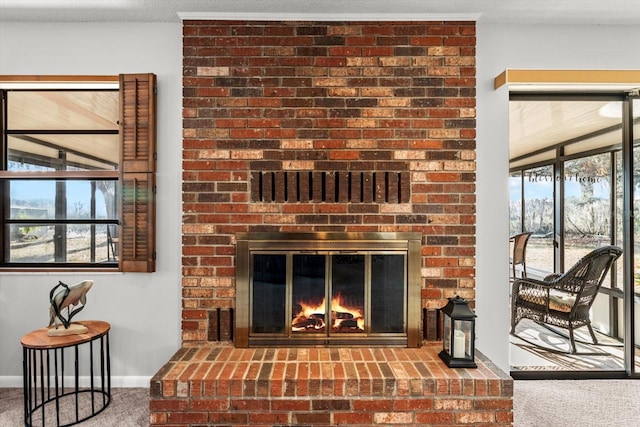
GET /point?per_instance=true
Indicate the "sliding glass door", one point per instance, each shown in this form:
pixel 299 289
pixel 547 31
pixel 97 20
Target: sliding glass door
pixel 575 184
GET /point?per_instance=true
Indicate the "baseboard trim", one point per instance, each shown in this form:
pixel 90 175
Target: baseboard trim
pixel 130 381
pixel 569 375
pixel 11 382
pixel 116 381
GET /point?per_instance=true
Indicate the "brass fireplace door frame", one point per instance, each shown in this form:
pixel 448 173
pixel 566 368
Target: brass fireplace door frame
pixel 407 243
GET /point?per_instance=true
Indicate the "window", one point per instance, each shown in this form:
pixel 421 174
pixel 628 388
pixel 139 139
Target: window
pixel 532 203
pixel 78 173
pixel 587 205
pixel 562 178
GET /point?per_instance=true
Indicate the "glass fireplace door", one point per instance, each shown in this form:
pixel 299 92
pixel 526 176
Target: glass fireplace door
pixel 342 277
pixel 269 294
pixel 347 294
pixel 387 293
pixel 328 297
pixel 309 287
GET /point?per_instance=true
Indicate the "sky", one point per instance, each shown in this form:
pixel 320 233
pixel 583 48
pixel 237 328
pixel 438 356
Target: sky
pixel 28 193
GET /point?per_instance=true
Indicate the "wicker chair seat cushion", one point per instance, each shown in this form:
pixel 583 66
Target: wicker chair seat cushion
pixel 561 301
pixel 558 300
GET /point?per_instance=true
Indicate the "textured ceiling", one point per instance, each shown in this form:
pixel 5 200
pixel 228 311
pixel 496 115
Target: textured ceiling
pixel 496 11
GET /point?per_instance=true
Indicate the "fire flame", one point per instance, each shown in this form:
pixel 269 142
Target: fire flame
pixel 311 316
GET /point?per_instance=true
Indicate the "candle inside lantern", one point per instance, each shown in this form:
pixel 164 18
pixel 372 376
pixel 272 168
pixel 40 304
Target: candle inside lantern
pixel 458 344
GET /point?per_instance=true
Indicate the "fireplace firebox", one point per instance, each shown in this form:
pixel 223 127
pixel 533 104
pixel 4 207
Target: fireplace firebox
pixel 324 289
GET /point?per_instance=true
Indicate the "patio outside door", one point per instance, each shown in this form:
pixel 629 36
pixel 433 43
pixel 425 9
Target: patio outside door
pixel 575 184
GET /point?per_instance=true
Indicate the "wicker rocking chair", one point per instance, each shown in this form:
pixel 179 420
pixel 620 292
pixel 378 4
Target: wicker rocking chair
pixel 563 300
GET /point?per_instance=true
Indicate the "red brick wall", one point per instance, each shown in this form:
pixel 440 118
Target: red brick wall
pixel 352 100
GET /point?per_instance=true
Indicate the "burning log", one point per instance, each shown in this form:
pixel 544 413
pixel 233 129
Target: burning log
pixel 344 320
pixel 341 315
pixel 348 324
pixel 310 317
pixel 314 321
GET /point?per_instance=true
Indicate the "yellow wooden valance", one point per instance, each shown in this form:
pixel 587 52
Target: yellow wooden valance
pixel 567 79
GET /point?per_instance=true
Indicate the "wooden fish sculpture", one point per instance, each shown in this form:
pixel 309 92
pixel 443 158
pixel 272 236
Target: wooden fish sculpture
pixel 68 298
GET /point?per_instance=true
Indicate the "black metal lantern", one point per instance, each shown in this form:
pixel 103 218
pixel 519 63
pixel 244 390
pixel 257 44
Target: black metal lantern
pixel 458 334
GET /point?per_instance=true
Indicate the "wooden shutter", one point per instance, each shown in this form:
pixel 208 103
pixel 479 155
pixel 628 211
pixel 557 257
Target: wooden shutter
pixel 137 172
pixel 137 251
pixel 138 122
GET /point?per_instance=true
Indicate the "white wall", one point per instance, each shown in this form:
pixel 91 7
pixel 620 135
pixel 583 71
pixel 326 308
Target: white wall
pixel 143 309
pixel 532 47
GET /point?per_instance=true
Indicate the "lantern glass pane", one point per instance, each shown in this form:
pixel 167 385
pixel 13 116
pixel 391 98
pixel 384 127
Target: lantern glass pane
pixel 461 339
pixel 446 334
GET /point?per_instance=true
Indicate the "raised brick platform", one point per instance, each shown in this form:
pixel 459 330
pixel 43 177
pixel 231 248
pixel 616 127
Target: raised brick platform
pixel 219 385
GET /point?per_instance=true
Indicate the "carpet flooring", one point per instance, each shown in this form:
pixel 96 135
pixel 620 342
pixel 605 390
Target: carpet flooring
pixel 568 403
pixel 129 407
pixel 584 403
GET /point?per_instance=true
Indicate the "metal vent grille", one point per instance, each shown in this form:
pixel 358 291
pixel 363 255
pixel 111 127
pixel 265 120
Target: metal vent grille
pixel 330 187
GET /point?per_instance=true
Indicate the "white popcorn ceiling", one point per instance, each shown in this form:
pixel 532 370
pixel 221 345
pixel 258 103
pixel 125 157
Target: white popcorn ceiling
pixel 562 12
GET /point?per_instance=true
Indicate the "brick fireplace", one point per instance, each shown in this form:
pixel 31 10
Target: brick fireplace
pixel 326 127
pixel 316 127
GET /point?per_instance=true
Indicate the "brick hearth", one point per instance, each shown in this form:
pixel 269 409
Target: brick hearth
pixel 221 385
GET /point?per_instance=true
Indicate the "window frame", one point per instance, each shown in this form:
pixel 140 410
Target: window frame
pixel 135 176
